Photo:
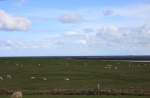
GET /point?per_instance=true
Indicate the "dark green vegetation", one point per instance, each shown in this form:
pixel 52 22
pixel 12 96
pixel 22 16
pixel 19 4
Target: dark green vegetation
pixel 45 74
pixel 79 96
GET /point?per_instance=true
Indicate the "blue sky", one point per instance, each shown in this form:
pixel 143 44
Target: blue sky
pixel 74 27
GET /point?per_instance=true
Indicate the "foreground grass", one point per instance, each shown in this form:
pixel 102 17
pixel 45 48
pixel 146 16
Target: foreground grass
pixel 34 96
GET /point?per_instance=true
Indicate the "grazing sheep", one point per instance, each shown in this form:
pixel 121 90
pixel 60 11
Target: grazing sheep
pixel 1 78
pixel 32 78
pixel 108 66
pixel 17 94
pixel 39 65
pixel 44 78
pixel 67 79
pixel 105 67
pixel 9 76
pixel 116 68
pixel 17 64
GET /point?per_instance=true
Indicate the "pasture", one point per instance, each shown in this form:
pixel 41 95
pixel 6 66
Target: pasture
pixel 46 74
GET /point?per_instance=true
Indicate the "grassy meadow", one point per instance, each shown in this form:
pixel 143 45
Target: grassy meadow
pixel 38 73
pixel 46 74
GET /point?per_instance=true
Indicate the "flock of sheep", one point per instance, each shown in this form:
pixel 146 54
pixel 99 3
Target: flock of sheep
pixel 110 67
pixel 8 76
pixel 19 94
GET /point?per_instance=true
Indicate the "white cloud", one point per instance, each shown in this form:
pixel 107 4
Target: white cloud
pixel 132 11
pixel 130 39
pixel 108 12
pixel 71 33
pixel 69 18
pixel 136 38
pixel 17 44
pixel 12 23
pixel 110 30
pixel 82 41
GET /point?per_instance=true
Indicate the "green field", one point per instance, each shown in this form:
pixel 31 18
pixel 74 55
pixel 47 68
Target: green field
pixel 79 97
pixel 42 74
pixel 34 74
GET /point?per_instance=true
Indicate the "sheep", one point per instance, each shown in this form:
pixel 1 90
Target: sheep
pixel 67 79
pixel 115 67
pixel 17 94
pixel 32 78
pixel 44 78
pixel 17 64
pixel 9 76
pixel 105 67
pixel 108 66
pixel 1 78
pixel 39 65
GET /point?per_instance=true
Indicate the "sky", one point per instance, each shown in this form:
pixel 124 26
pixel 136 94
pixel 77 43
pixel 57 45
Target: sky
pixel 74 27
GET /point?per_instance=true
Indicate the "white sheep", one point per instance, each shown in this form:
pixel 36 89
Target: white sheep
pixel 17 94
pixel 44 78
pixel 32 78
pixel 108 66
pixel 39 65
pixel 9 76
pixel 67 79
pixel 17 64
pixel 1 78
pixel 116 68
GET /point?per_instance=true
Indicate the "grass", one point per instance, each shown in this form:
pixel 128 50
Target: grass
pixel 82 74
pixel 79 96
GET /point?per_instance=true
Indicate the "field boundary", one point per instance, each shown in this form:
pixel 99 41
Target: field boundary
pixel 134 92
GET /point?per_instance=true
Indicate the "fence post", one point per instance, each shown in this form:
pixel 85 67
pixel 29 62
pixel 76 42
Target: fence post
pixel 98 89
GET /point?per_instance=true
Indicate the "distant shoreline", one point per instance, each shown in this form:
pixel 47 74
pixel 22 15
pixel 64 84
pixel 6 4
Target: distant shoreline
pixel 131 58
